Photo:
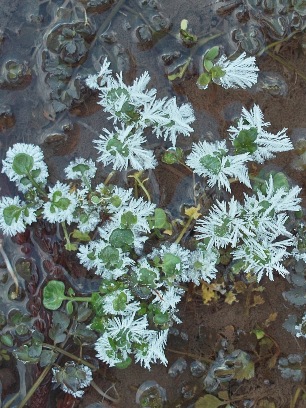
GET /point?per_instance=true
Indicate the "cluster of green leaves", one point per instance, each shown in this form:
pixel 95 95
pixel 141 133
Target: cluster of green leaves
pixel 212 71
pixel 36 350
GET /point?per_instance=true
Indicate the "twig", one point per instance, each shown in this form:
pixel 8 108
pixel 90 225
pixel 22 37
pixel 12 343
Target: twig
pixel 9 268
pixel 104 395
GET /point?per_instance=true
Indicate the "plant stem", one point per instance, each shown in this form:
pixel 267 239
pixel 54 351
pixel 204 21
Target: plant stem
pixel 287 64
pixel 109 177
pixel 182 233
pixel 35 386
pixel 9 268
pixel 68 243
pixel 103 394
pixel 37 186
pixel 78 298
pixel 136 177
pixel 184 353
pixel 70 355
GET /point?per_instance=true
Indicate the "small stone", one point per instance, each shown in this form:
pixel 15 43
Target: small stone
pixel 178 367
pixel 184 336
pixel 197 368
pixel 7 119
pixel 173 331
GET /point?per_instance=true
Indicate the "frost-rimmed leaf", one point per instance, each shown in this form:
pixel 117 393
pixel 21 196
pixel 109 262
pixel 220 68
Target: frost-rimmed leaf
pixel 53 295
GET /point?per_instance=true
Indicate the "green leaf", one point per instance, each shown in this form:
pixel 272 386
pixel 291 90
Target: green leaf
pixel 53 295
pixel 208 401
pixel 124 364
pixel 147 277
pixel 208 65
pixel 63 203
pixel 211 163
pixel 61 319
pixel 128 219
pixel 22 164
pixel 111 257
pixel 47 357
pixel 171 264
pixel 11 214
pixel 161 318
pixel 280 180
pixel 22 353
pixel 69 307
pixel 122 238
pixel 173 155
pixel 119 303
pixel 217 72
pixel 82 168
pixel 212 53
pixel 80 236
pixel 245 141
pixel 160 218
pixel 203 80
pixel 7 340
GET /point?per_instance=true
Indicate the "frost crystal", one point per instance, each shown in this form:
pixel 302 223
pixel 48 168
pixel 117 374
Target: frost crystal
pixel 81 169
pixel 123 149
pixel 211 160
pixel 222 226
pixel 263 257
pixel 240 73
pixel 72 378
pixel 265 144
pixel 62 204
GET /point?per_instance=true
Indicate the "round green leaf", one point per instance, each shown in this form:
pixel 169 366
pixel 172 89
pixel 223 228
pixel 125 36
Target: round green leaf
pixel 22 164
pixel 53 295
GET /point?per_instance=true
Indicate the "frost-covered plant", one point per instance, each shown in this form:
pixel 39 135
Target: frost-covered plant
pixel 249 136
pixel 229 73
pixel 115 233
pixel 72 378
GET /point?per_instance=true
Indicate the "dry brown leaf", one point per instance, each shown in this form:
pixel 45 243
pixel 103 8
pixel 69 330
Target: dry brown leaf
pixel 240 287
pixel 257 300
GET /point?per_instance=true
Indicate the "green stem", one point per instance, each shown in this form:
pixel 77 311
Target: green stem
pixel 275 43
pixel 70 355
pixel 68 243
pixel 35 386
pixel 178 239
pixel 136 177
pixel 78 299
pixel 109 177
pixel 37 186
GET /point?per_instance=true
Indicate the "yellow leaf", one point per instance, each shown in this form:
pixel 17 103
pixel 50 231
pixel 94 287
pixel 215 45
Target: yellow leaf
pixel 193 212
pixel 208 294
pixel 208 401
pixel 272 361
pixel 272 317
pixel 230 298
pixel 223 395
pixel 266 404
pixel 168 232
